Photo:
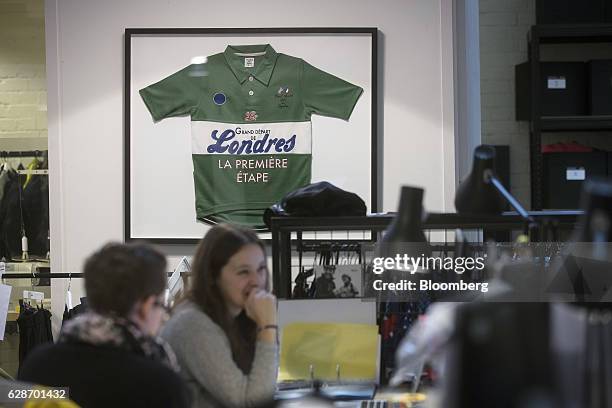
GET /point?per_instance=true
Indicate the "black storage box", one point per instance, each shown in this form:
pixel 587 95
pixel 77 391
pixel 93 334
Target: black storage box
pixel 600 87
pixel 563 89
pixel 564 174
pixel 570 11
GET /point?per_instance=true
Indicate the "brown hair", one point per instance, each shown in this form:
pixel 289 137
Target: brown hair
pixel 118 275
pixel 214 251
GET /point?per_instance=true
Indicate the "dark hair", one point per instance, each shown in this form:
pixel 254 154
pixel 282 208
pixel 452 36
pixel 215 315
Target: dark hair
pixel 119 275
pixel 214 251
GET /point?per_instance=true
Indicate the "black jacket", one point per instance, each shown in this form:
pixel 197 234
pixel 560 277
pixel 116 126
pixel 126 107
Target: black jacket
pixel 35 205
pixel 10 219
pixel 105 377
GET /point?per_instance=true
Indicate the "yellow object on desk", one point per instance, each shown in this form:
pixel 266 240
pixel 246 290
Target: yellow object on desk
pixel 330 350
pixel 407 398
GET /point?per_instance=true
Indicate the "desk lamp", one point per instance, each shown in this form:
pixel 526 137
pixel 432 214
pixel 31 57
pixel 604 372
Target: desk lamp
pixel 404 236
pixel 405 233
pixel 482 192
pixel 407 224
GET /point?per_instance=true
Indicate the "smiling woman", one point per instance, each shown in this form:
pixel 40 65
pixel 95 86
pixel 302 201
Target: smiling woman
pixel 225 332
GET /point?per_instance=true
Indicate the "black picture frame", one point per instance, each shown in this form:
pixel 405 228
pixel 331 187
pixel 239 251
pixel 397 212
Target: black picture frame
pixel 131 33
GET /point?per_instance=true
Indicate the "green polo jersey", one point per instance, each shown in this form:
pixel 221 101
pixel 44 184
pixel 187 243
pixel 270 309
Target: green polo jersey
pixel 251 133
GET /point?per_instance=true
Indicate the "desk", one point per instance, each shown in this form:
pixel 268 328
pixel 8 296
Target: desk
pixel 380 399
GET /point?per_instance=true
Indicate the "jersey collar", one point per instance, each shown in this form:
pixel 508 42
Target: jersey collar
pixel 263 72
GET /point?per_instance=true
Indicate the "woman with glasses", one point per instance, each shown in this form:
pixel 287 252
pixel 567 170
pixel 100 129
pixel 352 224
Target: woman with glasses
pixel 111 356
pixel 225 331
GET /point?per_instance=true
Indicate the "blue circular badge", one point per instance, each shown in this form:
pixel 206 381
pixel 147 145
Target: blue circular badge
pixel 219 98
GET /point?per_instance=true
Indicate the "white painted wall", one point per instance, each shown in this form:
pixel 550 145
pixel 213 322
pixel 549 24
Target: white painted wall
pixel 85 107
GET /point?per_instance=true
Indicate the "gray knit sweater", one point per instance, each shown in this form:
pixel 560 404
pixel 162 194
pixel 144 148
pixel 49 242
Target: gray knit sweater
pixel 204 354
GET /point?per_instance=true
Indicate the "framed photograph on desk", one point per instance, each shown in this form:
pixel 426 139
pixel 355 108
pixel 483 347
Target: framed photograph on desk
pixel 337 281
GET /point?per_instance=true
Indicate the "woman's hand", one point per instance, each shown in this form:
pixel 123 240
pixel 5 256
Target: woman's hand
pixel 260 306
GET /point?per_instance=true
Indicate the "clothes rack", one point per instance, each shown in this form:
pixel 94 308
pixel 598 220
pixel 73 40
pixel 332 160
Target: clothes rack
pixel 25 205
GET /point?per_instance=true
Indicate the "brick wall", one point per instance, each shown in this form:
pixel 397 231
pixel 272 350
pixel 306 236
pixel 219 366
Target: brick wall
pixel 503 44
pixel 23 86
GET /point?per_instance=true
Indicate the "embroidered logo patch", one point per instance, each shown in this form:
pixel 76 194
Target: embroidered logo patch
pixel 219 98
pixel 250 116
pixel 284 91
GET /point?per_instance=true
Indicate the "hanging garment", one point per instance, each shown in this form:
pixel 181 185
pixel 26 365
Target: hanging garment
pixel 35 205
pixel 10 217
pixel 34 165
pixel 75 311
pixel 398 319
pixel 34 329
pixel 4 181
pixel 4 178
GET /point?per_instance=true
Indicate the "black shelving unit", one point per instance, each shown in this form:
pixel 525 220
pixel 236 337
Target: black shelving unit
pixel 573 123
pixel 283 227
pixel 284 246
pixel 557 34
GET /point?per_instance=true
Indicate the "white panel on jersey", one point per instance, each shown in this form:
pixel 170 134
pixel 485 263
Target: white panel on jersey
pixel 219 136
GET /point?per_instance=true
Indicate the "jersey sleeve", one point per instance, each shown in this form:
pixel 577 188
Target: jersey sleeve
pixel 175 95
pixel 328 95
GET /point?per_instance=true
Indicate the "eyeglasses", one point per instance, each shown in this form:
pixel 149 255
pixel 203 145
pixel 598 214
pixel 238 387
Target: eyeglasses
pixel 162 304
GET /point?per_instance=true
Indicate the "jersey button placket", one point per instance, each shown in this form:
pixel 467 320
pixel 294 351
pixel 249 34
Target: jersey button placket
pixel 252 93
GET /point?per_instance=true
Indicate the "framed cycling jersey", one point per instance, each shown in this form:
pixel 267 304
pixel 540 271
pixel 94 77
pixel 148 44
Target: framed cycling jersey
pixel 222 123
